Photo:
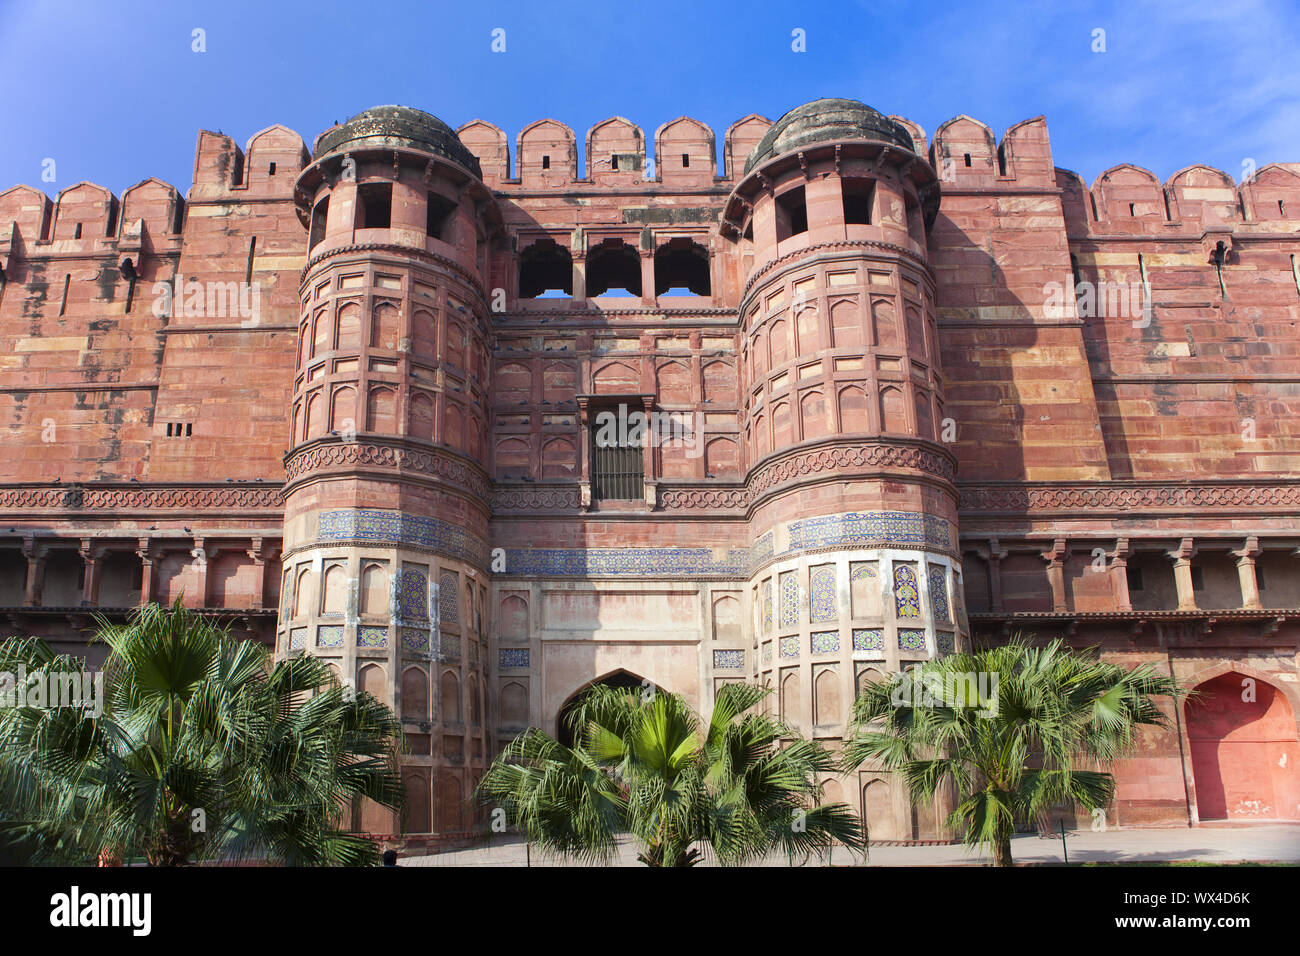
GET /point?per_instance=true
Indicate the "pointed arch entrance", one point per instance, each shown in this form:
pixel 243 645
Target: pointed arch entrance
pixel 1244 748
pixel 621 679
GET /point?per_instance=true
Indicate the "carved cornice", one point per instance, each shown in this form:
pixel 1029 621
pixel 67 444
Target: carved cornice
pixel 140 497
pixel 713 499
pixel 410 252
pixel 891 248
pixel 436 464
pixel 879 453
pixel 1121 496
pixel 559 498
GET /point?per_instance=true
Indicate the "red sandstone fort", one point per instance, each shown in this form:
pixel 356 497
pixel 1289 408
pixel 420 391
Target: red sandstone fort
pixel 922 394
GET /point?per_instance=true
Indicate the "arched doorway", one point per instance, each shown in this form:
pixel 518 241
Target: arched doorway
pixel 619 679
pixel 1245 753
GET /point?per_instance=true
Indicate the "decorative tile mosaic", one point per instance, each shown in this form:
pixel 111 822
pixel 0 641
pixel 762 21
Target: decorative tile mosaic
pixel 910 639
pixel 907 599
pixel 413 595
pixel 449 645
pixel 297 638
pixel 449 598
pixel 761 552
pixel 729 660
pixel 823 598
pixel 394 527
pixel 945 642
pixel 372 637
pixel 661 562
pixel 869 639
pixel 825 642
pixel 939 593
pixel 789 599
pixel 863 570
pixel 512 657
pixel 329 635
pixel 958 595
pixel 789 647
pixel 767 652
pixel 865 528
pixel 767 606
pixel 415 639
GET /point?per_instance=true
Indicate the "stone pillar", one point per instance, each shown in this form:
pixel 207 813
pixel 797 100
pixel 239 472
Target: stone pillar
pixel 1119 575
pixel 147 583
pixel 1182 558
pixel 201 554
pixel 648 294
pixel 1055 558
pixel 1246 572
pixel 996 554
pixel 90 583
pixel 579 274
pixel 258 557
pixel 35 556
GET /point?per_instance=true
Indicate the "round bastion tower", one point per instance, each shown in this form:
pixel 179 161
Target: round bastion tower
pixel 386 513
pixel 856 564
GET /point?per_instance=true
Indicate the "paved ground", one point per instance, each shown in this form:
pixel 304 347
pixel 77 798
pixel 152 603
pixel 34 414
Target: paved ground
pixel 1219 844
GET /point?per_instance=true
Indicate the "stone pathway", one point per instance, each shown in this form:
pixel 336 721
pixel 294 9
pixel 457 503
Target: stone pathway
pixel 1217 844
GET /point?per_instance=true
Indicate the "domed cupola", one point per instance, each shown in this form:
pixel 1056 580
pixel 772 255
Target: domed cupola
pixel 396 127
pixel 826 121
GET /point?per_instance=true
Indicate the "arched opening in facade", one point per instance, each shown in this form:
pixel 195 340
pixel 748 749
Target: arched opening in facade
pixel 619 679
pixel 1244 749
pixel 614 267
pixel 545 271
pixel 682 268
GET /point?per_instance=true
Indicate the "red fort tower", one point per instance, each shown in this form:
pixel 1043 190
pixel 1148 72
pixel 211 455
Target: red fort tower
pixel 351 401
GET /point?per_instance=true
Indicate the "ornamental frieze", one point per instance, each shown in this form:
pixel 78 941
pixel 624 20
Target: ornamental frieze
pixel 1128 498
pixel 432 464
pixel 144 498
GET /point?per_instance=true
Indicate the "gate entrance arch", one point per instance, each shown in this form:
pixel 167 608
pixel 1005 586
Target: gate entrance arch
pixel 619 679
pixel 1244 748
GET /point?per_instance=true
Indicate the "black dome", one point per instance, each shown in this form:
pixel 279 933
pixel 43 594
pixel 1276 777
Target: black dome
pixel 825 121
pixel 397 126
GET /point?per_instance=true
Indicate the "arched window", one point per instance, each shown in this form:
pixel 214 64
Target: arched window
pixel 545 271
pixel 682 268
pixel 613 266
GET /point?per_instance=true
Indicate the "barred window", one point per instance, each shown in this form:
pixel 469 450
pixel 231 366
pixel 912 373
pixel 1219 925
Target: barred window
pixel 617 465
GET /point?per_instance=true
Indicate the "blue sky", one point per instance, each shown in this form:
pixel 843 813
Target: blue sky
pixel 113 92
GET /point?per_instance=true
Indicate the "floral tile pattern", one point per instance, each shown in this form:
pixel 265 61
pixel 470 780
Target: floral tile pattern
pixel 415 639
pixel 907 598
pixel 413 594
pixel 329 635
pixel 368 636
pixel 863 570
pixel 449 598
pixel 823 591
pixel 789 599
pixel 767 652
pixel 869 639
pixel 825 642
pixel 767 606
pixel 729 660
pixel 297 638
pixel 508 657
pixel 939 594
pixel 945 642
pixel 789 647
pixel 910 639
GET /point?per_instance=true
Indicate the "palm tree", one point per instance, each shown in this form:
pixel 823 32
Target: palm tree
pixel 1015 729
pixel 203 751
pixel 738 784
